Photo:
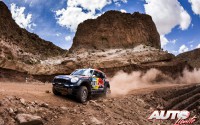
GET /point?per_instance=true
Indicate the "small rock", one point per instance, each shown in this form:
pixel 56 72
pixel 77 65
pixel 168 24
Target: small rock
pixel 147 107
pixel 10 98
pixel 35 102
pixel 21 110
pixel 1 121
pixel 1 103
pixel 120 123
pixel 10 110
pixel 31 109
pixel 22 101
pixel 27 119
pixel 83 123
pixel 95 103
pixel 95 121
pixel 44 105
pixel 64 108
pixel 47 91
pixel 159 107
pixel 32 103
pixel 39 110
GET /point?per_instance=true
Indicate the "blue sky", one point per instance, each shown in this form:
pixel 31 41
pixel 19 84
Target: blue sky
pixel 178 21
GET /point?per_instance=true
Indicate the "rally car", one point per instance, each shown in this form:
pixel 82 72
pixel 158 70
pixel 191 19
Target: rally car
pixel 82 83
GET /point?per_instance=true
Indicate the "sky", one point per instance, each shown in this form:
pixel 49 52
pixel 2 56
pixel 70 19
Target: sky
pixel 177 21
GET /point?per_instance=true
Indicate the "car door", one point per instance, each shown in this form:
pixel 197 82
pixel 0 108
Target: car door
pixel 98 80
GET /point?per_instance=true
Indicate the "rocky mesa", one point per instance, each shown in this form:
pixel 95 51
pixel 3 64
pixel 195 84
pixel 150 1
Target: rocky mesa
pixel 114 29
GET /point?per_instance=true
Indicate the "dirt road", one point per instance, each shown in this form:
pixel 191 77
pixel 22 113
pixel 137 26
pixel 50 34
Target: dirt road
pixel 132 109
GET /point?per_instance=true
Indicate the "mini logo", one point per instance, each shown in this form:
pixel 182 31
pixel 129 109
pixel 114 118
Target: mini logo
pixel 183 117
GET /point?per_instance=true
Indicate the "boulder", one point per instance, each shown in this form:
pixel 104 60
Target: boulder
pixel 28 119
pixel 95 121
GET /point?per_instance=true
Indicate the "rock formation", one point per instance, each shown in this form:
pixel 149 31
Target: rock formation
pixel 114 29
pixel 18 44
pixel 192 57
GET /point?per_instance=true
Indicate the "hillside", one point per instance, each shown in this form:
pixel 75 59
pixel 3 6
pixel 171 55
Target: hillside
pixel 17 44
pixel 192 57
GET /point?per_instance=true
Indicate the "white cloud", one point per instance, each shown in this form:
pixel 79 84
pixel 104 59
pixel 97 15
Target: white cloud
pixel 78 11
pixel 74 14
pixel 164 41
pixel 68 38
pixel 198 46
pixel 58 34
pixel 90 5
pixel 167 14
pixel 118 2
pixel 123 11
pixel 183 48
pixel 195 6
pixel 174 41
pixel 24 21
pixel 34 2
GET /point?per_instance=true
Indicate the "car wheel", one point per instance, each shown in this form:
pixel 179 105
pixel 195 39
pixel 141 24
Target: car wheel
pixel 82 94
pixel 55 92
pixel 107 91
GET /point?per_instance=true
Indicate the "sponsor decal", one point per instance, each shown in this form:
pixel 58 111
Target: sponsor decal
pixel 97 83
pixel 181 117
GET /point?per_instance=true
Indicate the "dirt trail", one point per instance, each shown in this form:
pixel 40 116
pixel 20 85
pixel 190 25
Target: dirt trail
pixel 131 109
pixel 37 91
pixel 32 92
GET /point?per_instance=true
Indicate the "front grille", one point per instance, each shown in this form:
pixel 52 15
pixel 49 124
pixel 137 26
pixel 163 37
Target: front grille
pixel 61 81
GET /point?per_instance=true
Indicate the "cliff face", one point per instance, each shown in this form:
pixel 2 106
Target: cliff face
pixel 17 44
pixel 116 30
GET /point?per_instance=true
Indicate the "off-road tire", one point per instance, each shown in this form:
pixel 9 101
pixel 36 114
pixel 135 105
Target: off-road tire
pixel 107 91
pixel 82 94
pixel 55 92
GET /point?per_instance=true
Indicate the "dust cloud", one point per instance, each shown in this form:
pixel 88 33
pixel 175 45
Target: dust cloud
pixel 189 77
pixel 122 83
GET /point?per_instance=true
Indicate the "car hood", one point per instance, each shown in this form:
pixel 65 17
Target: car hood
pixel 69 77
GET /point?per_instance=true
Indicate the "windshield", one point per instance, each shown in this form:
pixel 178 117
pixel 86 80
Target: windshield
pixel 83 72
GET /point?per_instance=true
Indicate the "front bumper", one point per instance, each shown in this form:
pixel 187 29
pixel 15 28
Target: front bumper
pixel 65 89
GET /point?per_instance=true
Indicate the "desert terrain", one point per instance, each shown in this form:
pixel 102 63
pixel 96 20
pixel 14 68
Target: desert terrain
pixel 127 47
pixel 131 109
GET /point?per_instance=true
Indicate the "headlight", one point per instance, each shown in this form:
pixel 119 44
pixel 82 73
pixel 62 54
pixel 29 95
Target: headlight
pixel 74 79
